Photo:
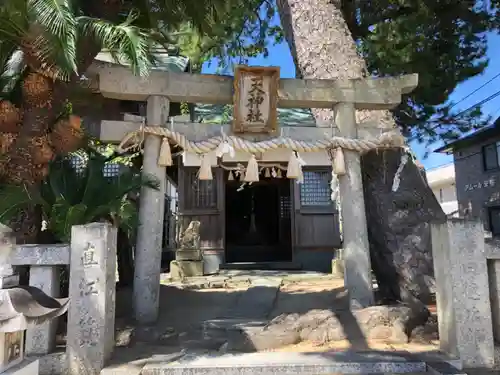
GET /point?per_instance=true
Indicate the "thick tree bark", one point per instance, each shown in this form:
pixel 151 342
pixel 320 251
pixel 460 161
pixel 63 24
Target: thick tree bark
pixel 399 229
pixel 322 47
pixel 21 168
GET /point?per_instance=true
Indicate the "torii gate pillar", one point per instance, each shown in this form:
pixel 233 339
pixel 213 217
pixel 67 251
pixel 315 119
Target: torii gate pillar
pixel 356 250
pixel 146 297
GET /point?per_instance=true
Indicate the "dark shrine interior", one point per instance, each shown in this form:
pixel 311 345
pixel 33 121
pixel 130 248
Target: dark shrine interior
pixel 258 221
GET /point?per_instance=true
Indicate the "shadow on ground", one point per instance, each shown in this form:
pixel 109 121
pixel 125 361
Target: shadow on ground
pixel 183 311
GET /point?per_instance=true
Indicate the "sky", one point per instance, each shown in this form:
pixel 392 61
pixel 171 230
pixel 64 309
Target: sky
pixel 279 55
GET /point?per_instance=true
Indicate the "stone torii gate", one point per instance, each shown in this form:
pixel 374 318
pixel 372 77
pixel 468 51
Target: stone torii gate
pixel 344 96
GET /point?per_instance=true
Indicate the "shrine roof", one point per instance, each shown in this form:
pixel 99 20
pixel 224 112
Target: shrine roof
pixel 222 114
pixel 164 61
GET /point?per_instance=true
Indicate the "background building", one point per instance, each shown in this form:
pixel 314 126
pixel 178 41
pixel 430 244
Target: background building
pixel 272 223
pixel 442 182
pixel 477 175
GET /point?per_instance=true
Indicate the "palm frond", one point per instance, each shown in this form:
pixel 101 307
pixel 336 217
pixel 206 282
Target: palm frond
pixel 126 43
pixel 14 22
pixel 56 45
pixel 62 182
pixel 92 182
pixel 63 216
pixel 128 218
pixel 111 198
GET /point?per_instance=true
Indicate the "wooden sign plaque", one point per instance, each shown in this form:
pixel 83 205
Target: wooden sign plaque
pixel 255 99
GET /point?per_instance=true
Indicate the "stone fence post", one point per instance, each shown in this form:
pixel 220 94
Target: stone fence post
pixel 462 293
pixel 492 249
pixel 92 290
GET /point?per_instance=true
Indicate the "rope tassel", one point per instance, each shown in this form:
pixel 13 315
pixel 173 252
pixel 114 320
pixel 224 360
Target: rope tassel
pixel 339 162
pixel 252 173
pixel 165 157
pixel 205 172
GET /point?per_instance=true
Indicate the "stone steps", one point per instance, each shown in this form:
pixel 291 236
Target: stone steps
pixel 444 368
pixel 275 363
pixel 169 361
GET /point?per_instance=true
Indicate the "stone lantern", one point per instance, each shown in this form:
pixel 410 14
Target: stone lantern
pixel 21 307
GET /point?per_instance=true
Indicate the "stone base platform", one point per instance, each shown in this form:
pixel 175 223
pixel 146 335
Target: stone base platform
pixel 181 269
pixel 242 279
pixel 289 363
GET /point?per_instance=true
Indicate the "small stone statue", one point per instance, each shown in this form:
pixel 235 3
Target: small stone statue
pixel 190 239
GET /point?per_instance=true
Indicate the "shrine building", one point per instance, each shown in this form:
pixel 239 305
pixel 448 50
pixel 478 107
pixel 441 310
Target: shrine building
pixel 258 183
pixel 273 223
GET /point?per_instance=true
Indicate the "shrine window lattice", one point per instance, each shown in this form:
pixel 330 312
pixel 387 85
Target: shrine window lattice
pixel 315 190
pixel 200 194
pixel 109 170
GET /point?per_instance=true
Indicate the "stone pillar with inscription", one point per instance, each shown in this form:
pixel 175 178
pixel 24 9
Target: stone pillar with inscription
pixel 462 293
pixel 92 290
pixel 356 250
pixel 151 216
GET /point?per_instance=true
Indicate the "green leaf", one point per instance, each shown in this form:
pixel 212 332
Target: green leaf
pixel 63 216
pixel 56 46
pixel 128 217
pixel 14 198
pixel 14 22
pixel 126 43
pixel 75 216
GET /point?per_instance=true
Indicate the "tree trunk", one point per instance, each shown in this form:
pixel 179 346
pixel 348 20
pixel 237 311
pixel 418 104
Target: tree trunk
pixel 322 47
pixel 20 162
pixel 399 229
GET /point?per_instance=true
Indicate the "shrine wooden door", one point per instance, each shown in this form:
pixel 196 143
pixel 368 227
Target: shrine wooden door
pixel 204 201
pixel 316 232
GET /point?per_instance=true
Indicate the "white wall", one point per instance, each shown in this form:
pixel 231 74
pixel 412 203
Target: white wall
pixel 319 158
pixel 445 193
pixel 442 182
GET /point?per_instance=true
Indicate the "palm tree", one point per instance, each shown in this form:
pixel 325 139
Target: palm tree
pixel 40 41
pixel 322 47
pixel 69 196
pixel 46 35
pixel 45 45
